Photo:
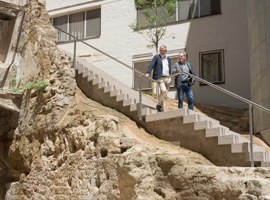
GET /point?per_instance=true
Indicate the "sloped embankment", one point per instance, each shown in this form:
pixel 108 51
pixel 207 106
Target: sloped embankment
pixel 69 147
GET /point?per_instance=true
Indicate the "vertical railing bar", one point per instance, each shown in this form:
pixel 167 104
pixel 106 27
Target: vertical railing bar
pixel 140 98
pixel 251 133
pixel 74 57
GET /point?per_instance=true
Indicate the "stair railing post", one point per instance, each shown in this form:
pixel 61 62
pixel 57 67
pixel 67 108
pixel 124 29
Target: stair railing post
pixel 140 98
pixel 251 133
pixel 74 53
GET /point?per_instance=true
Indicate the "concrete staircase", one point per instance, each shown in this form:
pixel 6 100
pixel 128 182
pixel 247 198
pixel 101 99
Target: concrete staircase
pixel 202 134
pixel 191 130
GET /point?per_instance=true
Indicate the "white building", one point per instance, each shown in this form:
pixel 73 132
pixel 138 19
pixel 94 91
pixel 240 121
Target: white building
pixel 215 36
pixel 259 38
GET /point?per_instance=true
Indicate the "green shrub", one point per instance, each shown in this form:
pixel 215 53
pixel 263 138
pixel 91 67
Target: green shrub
pixel 41 85
pixel 13 82
pixel 29 86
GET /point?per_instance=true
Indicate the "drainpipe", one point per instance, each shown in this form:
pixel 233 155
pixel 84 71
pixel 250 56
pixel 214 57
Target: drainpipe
pixel 140 98
pixel 251 134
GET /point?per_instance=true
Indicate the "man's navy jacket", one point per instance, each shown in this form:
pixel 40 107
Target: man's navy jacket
pixel 157 67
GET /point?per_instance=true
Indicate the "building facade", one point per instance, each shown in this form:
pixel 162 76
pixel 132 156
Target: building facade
pixel 259 40
pixel 212 32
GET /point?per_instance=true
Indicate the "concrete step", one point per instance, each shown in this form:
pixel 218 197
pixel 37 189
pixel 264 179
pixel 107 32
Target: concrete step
pixel 258 151
pixel 145 111
pixel 108 88
pixel 216 131
pixel 265 164
pixel 206 124
pixel 245 147
pixel 166 115
pixel 80 69
pixel 227 139
pixel 114 93
pixel 121 97
pixel 128 101
pixel 257 156
pixel 193 116
pixel 96 80
pixel 102 84
pixel 153 111
pixel 91 76
pixel 133 107
pixel 200 121
pixel 78 65
pixel 85 72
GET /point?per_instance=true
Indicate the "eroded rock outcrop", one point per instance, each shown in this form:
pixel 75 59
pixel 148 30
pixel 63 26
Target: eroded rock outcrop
pixel 69 147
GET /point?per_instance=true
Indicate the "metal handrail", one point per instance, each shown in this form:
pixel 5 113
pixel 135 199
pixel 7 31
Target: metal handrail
pixel 115 59
pixel 250 103
pixel 142 75
pixel 227 92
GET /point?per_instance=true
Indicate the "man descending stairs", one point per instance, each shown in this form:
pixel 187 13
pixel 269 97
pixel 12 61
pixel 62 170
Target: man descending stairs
pixel 189 129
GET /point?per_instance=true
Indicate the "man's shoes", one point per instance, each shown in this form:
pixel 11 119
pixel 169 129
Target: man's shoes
pixel 159 108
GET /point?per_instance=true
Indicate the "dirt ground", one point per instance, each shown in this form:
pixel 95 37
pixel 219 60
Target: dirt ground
pixel 138 133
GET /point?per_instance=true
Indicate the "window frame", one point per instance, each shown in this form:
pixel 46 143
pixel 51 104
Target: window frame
pixel 99 28
pixel 70 39
pixel 177 16
pixel 222 66
pixel 145 60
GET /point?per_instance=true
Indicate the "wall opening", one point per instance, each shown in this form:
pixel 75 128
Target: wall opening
pixel 7 22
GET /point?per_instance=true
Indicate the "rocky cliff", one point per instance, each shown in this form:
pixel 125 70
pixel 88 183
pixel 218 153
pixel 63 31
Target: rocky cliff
pixel 66 146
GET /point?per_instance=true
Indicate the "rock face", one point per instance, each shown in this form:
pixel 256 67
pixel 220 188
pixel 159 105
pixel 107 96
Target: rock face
pixel 66 146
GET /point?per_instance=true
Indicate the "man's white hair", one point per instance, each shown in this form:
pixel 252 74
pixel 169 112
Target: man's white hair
pixel 182 52
pixel 163 46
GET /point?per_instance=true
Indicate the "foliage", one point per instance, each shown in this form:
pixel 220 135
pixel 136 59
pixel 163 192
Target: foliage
pixel 13 82
pixel 29 86
pixel 13 85
pixel 39 85
pixel 157 14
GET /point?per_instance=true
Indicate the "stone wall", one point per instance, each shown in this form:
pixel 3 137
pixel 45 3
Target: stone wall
pixel 40 62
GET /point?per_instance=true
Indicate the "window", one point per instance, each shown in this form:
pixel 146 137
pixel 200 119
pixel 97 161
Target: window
pixel 212 66
pixel 185 10
pixel 76 25
pixel 81 25
pixel 93 22
pixel 208 7
pixel 61 22
pixel 190 9
pixel 142 67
